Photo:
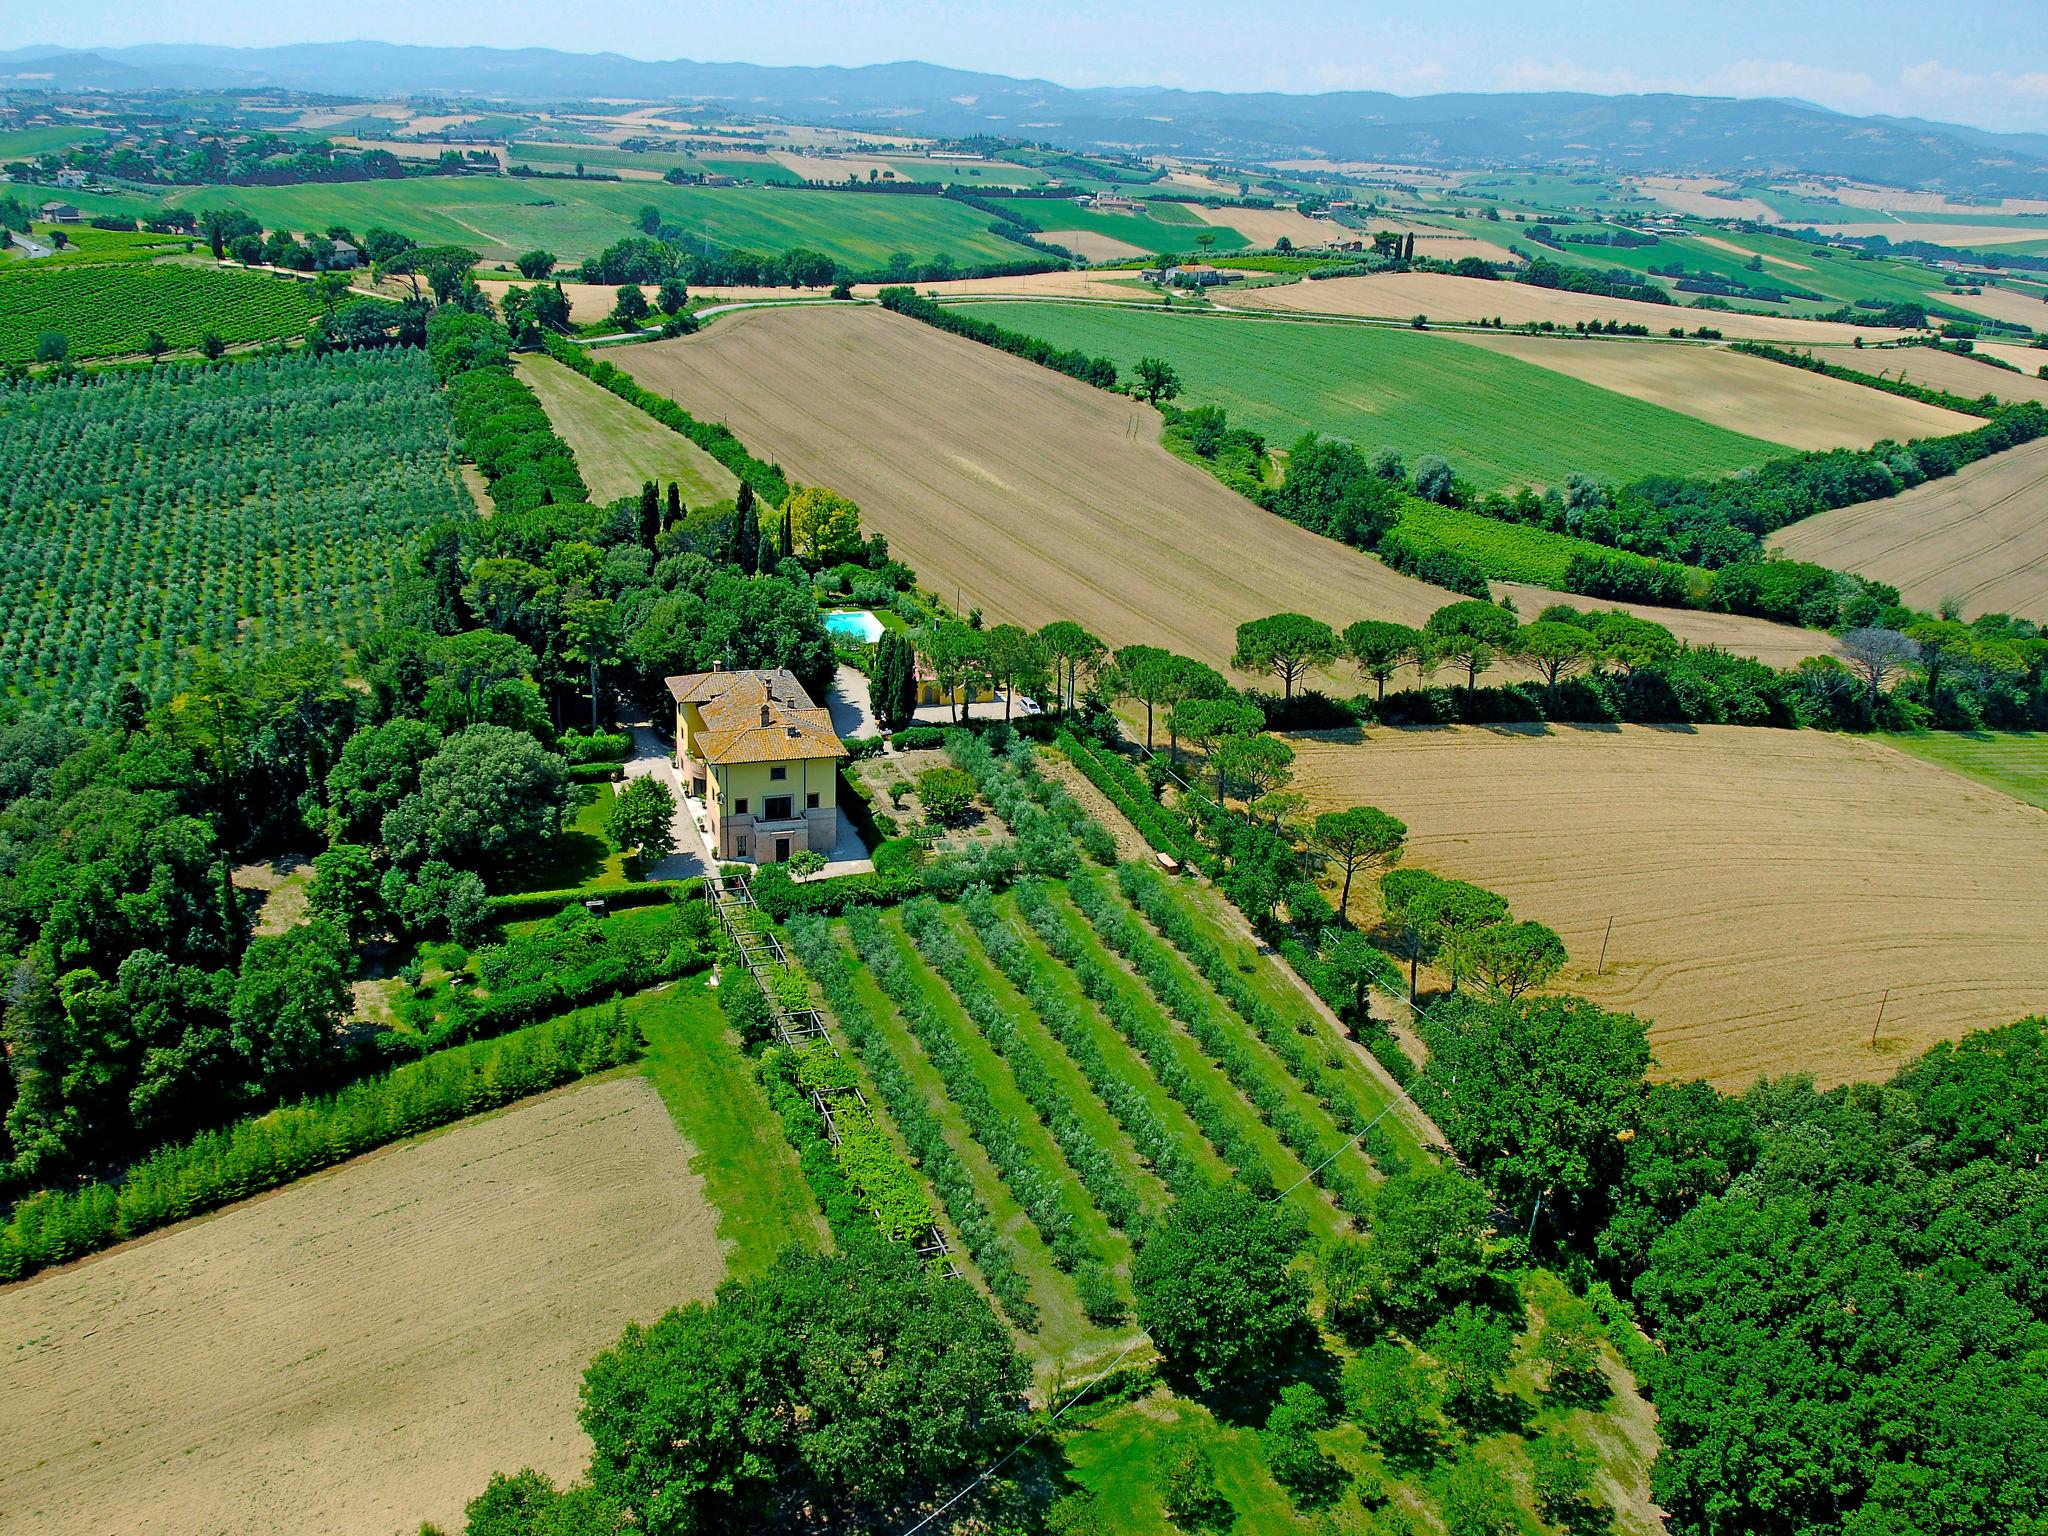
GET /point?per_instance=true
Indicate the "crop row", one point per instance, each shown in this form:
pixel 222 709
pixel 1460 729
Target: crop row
pixel 110 310
pixel 1146 891
pixel 1147 1132
pixel 1113 1193
pixel 993 1254
pixel 1187 1003
pixel 1148 1035
pixel 1044 817
pixel 1035 1187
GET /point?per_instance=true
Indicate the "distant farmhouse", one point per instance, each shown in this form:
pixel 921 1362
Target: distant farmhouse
pixel 1194 275
pixel 59 213
pixel 762 758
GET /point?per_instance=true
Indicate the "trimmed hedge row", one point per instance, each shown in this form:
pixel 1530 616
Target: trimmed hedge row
pixel 1154 1143
pixel 993 1254
pixel 1116 778
pixel 518 906
pixel 251 1156
pixel 1149 958
pixel 1114 1194
pixel 715 438
pixel 1036 1188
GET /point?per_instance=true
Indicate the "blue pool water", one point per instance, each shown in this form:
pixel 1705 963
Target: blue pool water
pixel 853 624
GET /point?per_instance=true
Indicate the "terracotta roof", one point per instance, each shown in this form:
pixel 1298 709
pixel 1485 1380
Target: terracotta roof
pixel 756 717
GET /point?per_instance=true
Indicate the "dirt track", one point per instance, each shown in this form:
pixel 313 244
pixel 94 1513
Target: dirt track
pixel 1012 488
pixel 1780 645
pixel 1980 536
pixel 1766 887
pixel 360 1351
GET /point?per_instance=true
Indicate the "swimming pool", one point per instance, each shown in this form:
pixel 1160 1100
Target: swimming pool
pixel 853 624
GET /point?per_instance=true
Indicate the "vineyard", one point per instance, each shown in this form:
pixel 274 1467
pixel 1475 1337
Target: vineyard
pixel 109 310
pixel 251 504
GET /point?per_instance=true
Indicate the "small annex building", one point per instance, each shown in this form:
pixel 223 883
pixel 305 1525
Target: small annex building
pixel 762 758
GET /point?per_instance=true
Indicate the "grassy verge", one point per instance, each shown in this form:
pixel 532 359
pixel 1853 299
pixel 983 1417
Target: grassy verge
pixel 617 445
pixel 749 1172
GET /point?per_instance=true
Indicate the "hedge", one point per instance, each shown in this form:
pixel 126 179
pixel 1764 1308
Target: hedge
pixel 1108 772
pixel 1099 371
pixel 254 1155
pixel 715 438
pixel 516 906
pixel 1988 404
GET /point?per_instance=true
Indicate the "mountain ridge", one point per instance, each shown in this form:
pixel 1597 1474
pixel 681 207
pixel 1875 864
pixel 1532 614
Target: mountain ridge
pixel 1665 132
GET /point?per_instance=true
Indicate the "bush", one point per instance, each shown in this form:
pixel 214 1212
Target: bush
pixel 595 746
pixel 917 738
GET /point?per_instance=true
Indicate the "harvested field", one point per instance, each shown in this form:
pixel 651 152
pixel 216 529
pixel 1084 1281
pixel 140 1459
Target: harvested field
pixel 617 445
pixel 1010 487
pixel 1744 251
pixel 1264 226
pixel 1695 195
pixel 1766 887
pixel 1091 245
pixel 2028 359
pixel 2005 304
pixel 1036 285
pixel 1750 395
pixel 1778 645
pixel 1962 234
pixel 360 1351
pixel 1959 375
pixel 1980 536
pixel 1396 296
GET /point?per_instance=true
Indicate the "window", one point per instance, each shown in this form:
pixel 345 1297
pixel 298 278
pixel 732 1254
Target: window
pixel 776 808
pixel 779 772
pixel 739 846
pixel 810 802
pixel 739 807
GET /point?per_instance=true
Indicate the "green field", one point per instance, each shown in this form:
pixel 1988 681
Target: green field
pixel 109 310
pixel 500 216
pixel 1839 278
pixel 27 143
pixel 1156 227
pixel 748 1169
pixel 2013 762
pixel 598 157
pixel 617 445
pixel 1498 420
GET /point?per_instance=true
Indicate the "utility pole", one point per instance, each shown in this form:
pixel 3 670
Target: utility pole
pixel 1601 969
pixel 1880 1016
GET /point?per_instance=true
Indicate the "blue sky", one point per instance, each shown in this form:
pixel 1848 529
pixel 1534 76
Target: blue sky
pixel 1983 62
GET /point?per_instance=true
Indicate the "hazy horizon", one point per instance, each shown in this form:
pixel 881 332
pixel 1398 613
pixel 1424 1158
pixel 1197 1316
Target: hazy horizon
pixel 1879 58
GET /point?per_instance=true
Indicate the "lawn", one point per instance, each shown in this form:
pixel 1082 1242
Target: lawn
pixel 500 216
pixel 617 445
pixel 2013 762
pixel 749 1172
pixel 583 855
pixel 1498 420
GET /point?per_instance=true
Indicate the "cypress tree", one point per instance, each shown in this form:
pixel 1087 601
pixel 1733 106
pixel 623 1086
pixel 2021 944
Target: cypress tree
pixel 788 535
pixel 650 512
pixel 675 505
pixel 765 562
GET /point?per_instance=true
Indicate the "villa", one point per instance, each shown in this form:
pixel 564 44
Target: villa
pixel 763 760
